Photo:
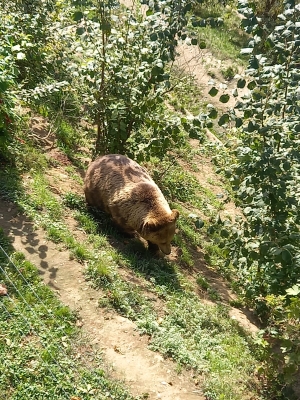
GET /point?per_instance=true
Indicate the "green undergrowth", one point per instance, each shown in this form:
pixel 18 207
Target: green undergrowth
pixel 223 36
pixel 205 339
pixel 43 353
pixel 179 185
pixel 186 97
pixel 197 336
pixel 160 298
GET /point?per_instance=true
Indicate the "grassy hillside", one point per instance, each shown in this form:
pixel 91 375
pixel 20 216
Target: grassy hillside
pixel 187 305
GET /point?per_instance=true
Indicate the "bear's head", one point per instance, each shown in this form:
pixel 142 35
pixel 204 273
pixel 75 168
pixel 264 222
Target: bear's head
pixel 162 232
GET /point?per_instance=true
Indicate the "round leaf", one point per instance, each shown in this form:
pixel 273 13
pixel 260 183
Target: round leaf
pixel 241 83
pixel 224 98
pixel 77 16
pixel 213 113
pixel 153 36
pixel 213 91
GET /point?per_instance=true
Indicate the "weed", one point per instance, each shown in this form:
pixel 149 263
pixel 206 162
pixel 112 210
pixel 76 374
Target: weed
pixel 190 331
pixel 224 41
pixel 202 282
pixel 229 73
pixel 79 252
pixel 72 172
pixel 213 294
pixel 74 201
pixel 67 136
pixel 188 97
pixel 211 73
pixel 237 303
pixel 87 222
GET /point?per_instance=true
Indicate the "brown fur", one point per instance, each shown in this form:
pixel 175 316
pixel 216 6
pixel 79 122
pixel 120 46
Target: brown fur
pixel 125 190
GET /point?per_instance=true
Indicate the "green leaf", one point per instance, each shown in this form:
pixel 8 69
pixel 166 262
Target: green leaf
pixel 153 36
pixel 213 91
pixel 77 16
pixel 224 98
pixel 286 256
pixel 199 223
pixel 238 122
pixel 293 291
pixel 202 44
pixel 223 119
pixel 251 85
pixel 297 128
pixel 188 7
pixel 80 31
pixel 241 83
pixel 21 56
pixel 4 85
pixel 248 50
pixel 224 233
pixel 251 127
pixel 253 63
pixel 213 113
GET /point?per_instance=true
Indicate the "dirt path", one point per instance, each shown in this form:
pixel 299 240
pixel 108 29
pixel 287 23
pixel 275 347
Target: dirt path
pixel 197 63
pixel 143 370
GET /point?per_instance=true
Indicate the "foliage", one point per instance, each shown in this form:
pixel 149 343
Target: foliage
pixel 117 62
pixel 8 72
pixel 284 331
pixel 26 27
pixel 189 332
pixel 7 99
pixel 265 247
pixel 263 16
pixel 157 295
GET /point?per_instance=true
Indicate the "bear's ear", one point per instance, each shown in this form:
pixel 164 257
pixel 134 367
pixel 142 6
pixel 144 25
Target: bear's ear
pixel 151 226
pixel 175 215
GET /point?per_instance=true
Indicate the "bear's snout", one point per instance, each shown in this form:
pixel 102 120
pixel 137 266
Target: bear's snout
pixel 166 249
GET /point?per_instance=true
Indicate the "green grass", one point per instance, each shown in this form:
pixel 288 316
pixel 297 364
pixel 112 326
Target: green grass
pixel 179 185
pixel 222 43
pixel 189 332
pixel 225 41
pixel 204 338
pixel 43 353
pixel 186 97
pixel 201 337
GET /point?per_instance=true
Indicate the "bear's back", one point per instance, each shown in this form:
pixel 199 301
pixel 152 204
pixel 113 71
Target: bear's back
pixel 110 175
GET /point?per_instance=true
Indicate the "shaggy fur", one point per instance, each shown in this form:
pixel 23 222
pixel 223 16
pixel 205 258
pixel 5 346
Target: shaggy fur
pixel 125 190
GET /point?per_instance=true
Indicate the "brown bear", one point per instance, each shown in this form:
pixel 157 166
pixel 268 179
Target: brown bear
pixel 125 190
